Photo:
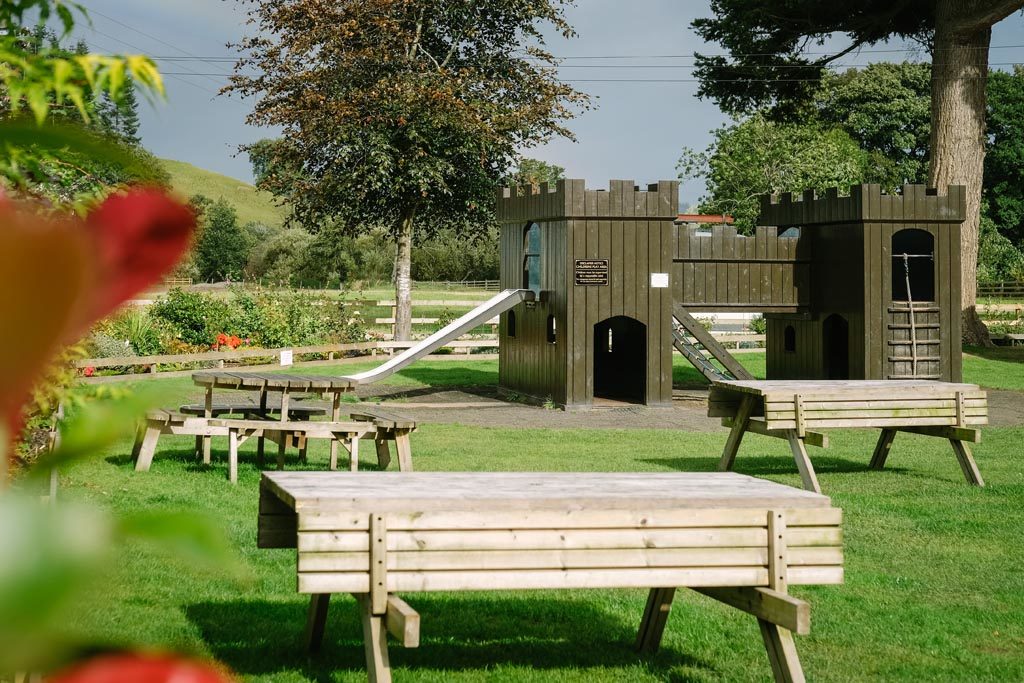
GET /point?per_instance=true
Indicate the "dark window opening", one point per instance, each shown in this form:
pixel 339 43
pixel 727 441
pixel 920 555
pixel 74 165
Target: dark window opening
pixel 913 266
pixel 510 324
pixel 835 332
pixel 531 258
pixel 551 329
pixel 789 339
pixel 620 359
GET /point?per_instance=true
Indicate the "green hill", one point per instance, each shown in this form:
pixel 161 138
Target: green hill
pixel 250 203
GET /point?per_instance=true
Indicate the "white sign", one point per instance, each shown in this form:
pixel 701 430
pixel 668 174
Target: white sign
pixel 659 280
pixel 286 357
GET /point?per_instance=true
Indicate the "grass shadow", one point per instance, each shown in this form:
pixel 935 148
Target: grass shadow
pixel 449 375
pixel 461 632
pixel 760 465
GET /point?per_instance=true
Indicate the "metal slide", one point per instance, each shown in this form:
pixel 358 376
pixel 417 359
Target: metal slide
pixel 692 340
pixel 478 316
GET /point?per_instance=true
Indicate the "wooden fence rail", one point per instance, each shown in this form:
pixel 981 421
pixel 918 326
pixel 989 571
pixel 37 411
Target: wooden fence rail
pixel 1010 289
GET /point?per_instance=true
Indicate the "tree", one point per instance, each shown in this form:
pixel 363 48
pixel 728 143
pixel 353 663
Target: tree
pixel 885 107
pixel 755 156
pixel 1004 162
pixel 119 116
pixel 533 172
pixel 395 113
pixel 222 250
pixel 768 64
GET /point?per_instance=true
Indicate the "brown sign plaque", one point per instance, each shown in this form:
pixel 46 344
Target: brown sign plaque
pixel 590 272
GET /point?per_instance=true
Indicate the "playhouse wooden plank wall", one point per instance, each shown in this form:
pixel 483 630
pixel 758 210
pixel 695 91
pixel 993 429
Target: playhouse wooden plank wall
pixel 633 230
pixel 720 270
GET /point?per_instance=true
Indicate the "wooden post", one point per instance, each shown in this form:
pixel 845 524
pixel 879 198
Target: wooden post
pixel 778 641
pixel 378 564
pixel 383 451
pixel 335 416
pixel 803 462
pixel 353 453
pixel 967 464
pixel 233 456
pixel 882 449
pixel 283 441
pixel 260 441
pixel 739 425
pixel 316 621
pixel 147 449
pixel 404 448
pixel 375 642
pixel 208 413
pixel 652 624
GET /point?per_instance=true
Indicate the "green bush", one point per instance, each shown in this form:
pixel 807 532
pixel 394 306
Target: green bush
pixel 193 317
pixel 758 325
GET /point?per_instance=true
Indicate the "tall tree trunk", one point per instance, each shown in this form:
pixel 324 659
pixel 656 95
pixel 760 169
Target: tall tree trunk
pixel 403 275
pixel 959 77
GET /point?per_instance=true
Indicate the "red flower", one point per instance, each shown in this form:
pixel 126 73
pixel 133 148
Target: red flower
pixel 140 668
pixel 89 371
pixel 59 275
pixel 140 235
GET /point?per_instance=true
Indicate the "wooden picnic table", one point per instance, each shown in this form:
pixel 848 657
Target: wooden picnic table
pixel 795 409
pixel 263 384
pixel 735 538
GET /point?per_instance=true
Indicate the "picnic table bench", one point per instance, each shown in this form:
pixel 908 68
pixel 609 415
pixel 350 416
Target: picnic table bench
pixel 381 425
pixel 794 409
pixel 740 540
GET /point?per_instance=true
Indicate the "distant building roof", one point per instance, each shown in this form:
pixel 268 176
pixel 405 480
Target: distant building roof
pixel 705 218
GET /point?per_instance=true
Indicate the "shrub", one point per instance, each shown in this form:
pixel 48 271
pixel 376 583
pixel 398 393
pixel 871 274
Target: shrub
pixel 138 328
pixel 758 325
pixel 194 318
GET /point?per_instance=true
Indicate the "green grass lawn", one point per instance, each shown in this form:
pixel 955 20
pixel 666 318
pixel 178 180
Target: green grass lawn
pixel 934 588
pixel 250 203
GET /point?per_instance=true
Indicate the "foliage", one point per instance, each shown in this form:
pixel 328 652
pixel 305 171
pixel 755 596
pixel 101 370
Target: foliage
pixel 450 256
pixel 533 172
pixel 1004 160
pixel 222 249
pixel 758 325
pixel 264 318
pixel 886 109
pixel 998 258
pixel 755 156
pixel 195 318
pixel 401 113
pixel 281 257
pixel 133 326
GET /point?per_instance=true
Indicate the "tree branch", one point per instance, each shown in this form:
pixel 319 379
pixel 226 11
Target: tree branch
pixel 827 60
pixel 990 13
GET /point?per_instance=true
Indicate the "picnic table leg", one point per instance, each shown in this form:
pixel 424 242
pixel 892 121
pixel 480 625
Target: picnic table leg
pixel 208 413
pixel 803 463
pixel 353 452
pixel 316 621
pixel 233 456
pixel 739 426
pixel 781 653
pixel 140 434
pixel 652 625
pixel 284 436
pixel 882 449
pixel 260 441
pixel 383 451
pixel 335 416
pixel 147 448
pixel 404 448
pixel 967 464
pixel 375 642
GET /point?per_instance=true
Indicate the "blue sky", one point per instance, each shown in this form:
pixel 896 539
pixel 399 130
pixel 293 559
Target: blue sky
pixel 636 132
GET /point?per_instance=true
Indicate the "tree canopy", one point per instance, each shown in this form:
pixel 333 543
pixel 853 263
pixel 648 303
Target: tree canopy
pixel 397 110
pixel 769 64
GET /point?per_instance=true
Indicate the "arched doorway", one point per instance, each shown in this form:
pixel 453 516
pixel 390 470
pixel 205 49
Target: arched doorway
pixel 835 333
pixel 620 359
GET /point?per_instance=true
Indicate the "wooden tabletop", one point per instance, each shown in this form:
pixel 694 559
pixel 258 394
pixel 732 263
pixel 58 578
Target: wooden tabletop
pixel 279 382
pixel 494 491
pixel 858 387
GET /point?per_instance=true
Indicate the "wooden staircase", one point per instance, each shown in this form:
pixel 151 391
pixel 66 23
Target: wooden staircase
pixel 699 347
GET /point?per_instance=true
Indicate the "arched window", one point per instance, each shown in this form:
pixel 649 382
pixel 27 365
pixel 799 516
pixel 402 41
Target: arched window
pixel 551 329
pixel 510 324
pixel 913 265
pixel 789 339
pixel 531 258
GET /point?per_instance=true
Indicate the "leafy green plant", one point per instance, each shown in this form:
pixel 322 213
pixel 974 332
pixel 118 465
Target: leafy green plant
pixel 758 325
pixel 195 318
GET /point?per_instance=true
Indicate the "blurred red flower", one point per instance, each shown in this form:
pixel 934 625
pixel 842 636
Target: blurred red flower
pixel 141 668
pixel 66 273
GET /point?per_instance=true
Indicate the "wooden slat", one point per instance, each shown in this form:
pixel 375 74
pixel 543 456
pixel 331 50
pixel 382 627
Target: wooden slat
pixel 567 539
